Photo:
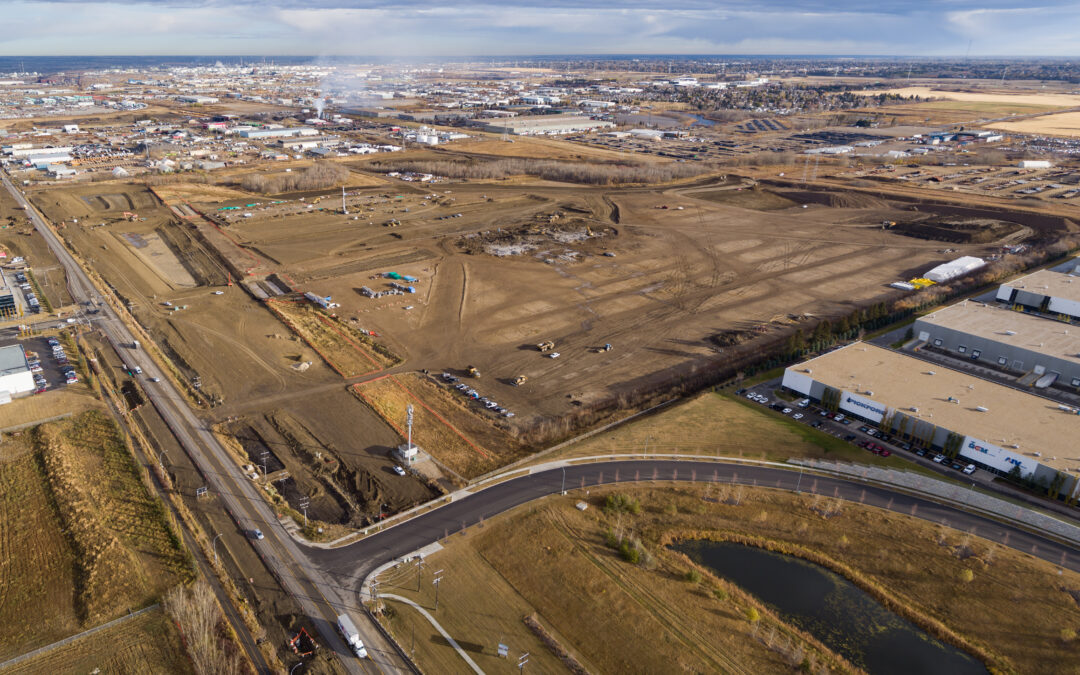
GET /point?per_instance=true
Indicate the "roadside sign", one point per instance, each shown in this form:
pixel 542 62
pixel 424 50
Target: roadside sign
pixel 200 492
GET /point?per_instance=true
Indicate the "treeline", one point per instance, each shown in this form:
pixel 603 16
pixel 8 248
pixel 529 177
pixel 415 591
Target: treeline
pixel 588 173
pixel 316 177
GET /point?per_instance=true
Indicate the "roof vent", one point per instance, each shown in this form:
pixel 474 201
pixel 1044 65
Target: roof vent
pixel 1010 332
pixel 913 409
pixel 982 408
pixel 930 372
pixel 869 393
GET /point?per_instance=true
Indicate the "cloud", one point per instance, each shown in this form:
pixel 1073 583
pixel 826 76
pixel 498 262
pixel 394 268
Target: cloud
pixel 523 27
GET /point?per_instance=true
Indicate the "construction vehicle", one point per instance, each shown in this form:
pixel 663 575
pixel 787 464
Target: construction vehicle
pixel 520 380
pixel 473 372
pixel 605 348
pixel 547 345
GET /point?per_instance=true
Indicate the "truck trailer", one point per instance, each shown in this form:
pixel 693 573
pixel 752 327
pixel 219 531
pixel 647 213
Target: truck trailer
pixel 352 636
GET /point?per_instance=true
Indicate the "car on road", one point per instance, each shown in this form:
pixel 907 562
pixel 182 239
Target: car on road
pixel 137 370
pixel 155 379
pixel 398 470
pixel 257 534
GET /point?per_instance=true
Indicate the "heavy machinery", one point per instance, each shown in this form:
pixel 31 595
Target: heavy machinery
pixel 546 345
pixel 520 380
pixel 473 372
pixel 605 348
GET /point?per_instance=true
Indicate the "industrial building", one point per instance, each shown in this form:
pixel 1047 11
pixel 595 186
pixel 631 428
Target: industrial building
pixel 8 305
pixel 15 375
pixel 538 125
pixel 990 425
pixel 1047 351
pixel 281 132
pixel 1044 291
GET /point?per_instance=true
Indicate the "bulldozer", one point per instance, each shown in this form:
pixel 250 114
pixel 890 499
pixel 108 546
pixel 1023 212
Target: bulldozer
pixel 520 380
pixel 473 372
pixel 546 345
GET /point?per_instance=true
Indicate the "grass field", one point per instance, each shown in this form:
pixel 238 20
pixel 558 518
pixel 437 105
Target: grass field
pixel 722 425
pixel 553 559
pixel 441 426
pixel 82 540
pixel 146 644
pixel 344 349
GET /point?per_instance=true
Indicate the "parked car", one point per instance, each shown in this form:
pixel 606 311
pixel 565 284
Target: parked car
pixel 938 458
pixel 797 416
pixel 969 469
pixel 839 417
pixel 398 470
pixel 786 411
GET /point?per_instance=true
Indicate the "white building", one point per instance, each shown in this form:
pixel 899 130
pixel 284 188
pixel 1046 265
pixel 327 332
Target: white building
pixel 15 375
pixel 956 268
pixel 1034 164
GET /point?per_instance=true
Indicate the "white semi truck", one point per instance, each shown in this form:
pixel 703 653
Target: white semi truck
pixel 352 636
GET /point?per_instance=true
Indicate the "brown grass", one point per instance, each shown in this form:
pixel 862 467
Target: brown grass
pixel 146 644
pixel 589 173
pixel 316 177
pixel 554 558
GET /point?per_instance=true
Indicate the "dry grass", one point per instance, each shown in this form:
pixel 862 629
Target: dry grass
pixel 441 427
pixel 316 177
pixel 1059 124
pixel 554 558
pixel 719 425
pixel 146 644
pixel 344 349
pixel 589 173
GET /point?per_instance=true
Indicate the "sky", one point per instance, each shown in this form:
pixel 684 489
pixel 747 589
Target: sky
pixel 400 29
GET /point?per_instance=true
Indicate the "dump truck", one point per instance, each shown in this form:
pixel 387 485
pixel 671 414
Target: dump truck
pixel 520 380
pixel 352 636
pixel 473 372
pixel 546 345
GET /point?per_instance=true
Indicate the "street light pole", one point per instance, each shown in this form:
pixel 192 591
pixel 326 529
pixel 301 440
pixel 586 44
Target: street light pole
pixel 563 490
pixel 214 546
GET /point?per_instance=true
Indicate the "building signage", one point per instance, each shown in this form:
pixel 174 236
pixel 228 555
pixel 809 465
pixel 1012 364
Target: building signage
pixel 995 457
pixel 862 407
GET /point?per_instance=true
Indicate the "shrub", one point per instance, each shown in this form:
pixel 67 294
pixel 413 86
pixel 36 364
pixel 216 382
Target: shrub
pixel 671 510
pixel 967 576
pixel 629 552
pixel 1068 635
pixel 693 576
pixel 720 594
pixel 317 176
pixel 752 615
pixel 620 503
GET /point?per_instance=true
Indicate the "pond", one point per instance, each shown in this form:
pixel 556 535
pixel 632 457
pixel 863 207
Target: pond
pixel 832 609
pixel 703 121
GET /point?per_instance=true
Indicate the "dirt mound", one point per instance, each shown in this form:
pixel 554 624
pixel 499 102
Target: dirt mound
pixel 754 198
pixel 958 230
pixel 552 236
pixel 839 200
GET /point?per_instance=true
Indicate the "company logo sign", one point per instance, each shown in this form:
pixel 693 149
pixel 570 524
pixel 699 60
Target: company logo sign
pixel 980 448
pixel 878 411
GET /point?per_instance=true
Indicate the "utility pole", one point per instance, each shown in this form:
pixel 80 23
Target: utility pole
pixel 213 545
pixel 563 489
pixel 263 456
pixel 303 504
pixel 419 570
pixel 522 660
pixel 436 580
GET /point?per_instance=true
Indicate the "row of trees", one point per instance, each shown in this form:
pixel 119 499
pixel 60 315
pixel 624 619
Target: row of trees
pixel 588 173
pixel 316 177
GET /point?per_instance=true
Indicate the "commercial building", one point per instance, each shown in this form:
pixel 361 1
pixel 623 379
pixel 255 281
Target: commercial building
pixel 270 132
pixel 1044 291
pixel 8 306
pixel 990 425
pixel 537 125
pixel 15 375
pixel 1022 343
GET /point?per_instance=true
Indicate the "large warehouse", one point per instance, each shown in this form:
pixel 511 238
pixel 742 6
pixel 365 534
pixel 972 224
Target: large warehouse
pixel 15 375
pixel 990 425
pixel 539 125
pixel 1044 291
pixel 1009 340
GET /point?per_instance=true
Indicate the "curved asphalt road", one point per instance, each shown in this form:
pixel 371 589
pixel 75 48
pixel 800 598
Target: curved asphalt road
pixel 350 564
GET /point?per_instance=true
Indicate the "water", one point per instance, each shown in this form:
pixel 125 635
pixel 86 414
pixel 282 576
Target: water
pixel 832 609
pixel 703 121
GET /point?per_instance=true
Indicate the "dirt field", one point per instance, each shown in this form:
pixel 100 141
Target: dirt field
pixel 346 350
pixel 18 238
pixel 598 606
pixel 1020 98
pixel 149 643
pixel 84 550
pixel 1058 124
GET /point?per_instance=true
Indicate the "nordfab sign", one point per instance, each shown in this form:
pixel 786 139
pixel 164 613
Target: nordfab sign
pixel 995 457
pixel 863 407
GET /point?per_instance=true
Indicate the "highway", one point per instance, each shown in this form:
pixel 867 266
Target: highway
pixel 320 598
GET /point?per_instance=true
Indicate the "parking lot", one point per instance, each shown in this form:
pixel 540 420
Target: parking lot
pixel 46 367
pixel 860 434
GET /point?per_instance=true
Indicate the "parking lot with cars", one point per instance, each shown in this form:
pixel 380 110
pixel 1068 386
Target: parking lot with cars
pixel 49 363
pixel 862 435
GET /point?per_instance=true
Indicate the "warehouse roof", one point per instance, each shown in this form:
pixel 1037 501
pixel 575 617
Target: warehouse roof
pixel 1049 283
pixel 903 382
pixel 12 360
pixel 1016 329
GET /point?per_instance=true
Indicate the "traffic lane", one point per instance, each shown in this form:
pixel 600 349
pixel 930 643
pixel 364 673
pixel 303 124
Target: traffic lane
pixel 364 556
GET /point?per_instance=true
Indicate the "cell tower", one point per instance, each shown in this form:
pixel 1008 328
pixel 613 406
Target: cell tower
pixel 408 424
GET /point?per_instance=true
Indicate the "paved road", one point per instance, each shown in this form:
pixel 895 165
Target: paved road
pixel 320 598
pixel 352 563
